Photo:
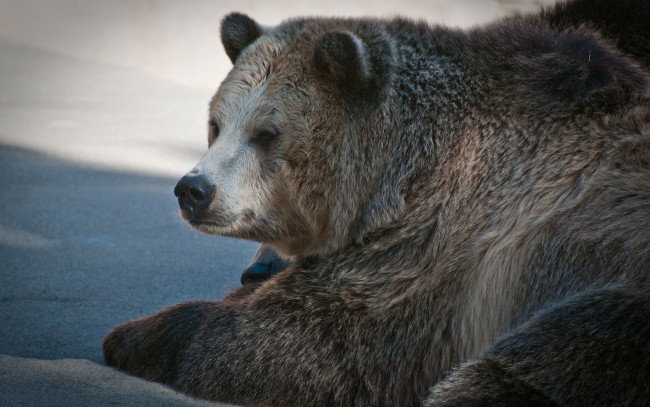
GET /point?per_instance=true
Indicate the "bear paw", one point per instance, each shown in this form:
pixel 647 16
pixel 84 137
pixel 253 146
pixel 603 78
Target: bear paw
pixel 152 347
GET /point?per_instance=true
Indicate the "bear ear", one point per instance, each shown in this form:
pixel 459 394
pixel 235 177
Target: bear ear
pixel 576 65
pixel 238 31
pixel 343 56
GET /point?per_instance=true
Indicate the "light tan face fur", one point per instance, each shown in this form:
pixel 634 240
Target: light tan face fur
pixel 232 162
pixel 251 199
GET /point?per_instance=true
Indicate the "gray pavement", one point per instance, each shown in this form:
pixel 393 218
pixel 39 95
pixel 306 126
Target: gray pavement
pixel 83 246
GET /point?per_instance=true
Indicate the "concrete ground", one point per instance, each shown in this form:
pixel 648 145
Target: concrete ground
pixel 85 246
pixel 102 108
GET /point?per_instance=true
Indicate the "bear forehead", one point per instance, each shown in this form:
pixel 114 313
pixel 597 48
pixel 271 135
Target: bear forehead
pixel 249 75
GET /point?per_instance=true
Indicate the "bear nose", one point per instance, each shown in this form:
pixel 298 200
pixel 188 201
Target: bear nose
pixel 194 192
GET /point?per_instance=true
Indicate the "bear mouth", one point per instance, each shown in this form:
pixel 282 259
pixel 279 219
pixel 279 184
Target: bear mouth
pixel 210 228
pixel 217 225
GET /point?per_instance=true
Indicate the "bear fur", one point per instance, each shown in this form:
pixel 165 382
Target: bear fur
pixel 467 215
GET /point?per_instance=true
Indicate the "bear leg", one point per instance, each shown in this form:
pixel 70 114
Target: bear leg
pixel 590 349
pixel 152 347
pixel 265 264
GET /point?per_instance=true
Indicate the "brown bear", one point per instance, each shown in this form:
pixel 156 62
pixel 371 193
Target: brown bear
pixel 625 24
pixel 467 215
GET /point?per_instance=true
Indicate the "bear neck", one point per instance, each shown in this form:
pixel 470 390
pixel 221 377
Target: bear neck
pixel 418 127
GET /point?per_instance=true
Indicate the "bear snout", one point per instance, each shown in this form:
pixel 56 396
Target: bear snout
pixel 194 192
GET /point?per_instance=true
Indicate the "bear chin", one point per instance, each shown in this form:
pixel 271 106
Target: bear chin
pixel 219 225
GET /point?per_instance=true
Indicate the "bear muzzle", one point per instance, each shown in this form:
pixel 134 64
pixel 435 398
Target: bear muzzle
pixel 194 192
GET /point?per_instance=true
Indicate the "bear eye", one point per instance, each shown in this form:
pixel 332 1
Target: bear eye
pixel 213 128
pixel 264 137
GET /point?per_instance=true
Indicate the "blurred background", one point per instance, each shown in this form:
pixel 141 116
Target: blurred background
pixel 178 40
pixel 103 106
pixel 119 53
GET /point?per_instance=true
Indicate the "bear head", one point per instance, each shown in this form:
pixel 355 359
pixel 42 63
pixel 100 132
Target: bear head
pixel 293 135
pixel 329 129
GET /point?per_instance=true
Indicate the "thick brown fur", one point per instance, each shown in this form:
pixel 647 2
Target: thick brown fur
pixel 464 209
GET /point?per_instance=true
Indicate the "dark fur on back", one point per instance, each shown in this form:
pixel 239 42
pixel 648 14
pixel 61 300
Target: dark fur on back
pixel 465 209
pixel 624 23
